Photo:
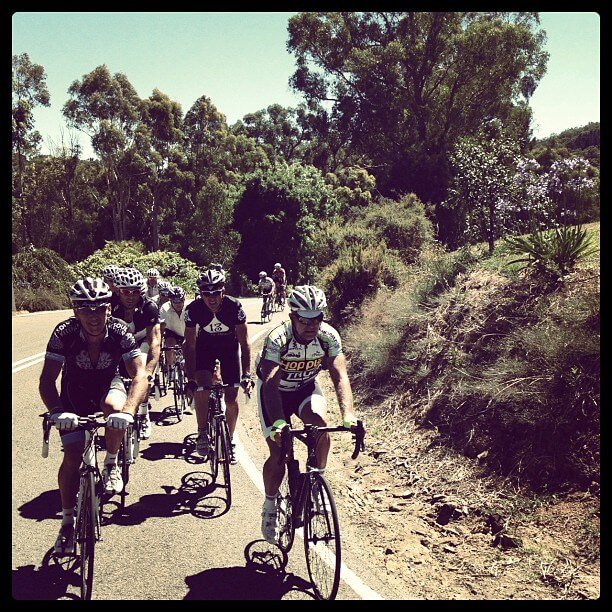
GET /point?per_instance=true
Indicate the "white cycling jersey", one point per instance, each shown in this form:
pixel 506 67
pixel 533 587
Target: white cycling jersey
pixel 265 285
pixel 300 363
pixel 173 321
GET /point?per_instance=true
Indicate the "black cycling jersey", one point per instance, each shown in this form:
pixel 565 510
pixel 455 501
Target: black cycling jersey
pixel 218 328
pixel 145 315
pixel 69 346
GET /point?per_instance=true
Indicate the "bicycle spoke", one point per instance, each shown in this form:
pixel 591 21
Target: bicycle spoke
pixel 286 522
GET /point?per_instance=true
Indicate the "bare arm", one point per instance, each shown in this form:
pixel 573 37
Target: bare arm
pixel 46 386
pixel 189 351
pixel 138 386
pixel 154 342
pixel 339 376
pixel 242 333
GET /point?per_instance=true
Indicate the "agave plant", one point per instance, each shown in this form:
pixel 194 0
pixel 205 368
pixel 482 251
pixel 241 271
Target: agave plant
pixel 555 251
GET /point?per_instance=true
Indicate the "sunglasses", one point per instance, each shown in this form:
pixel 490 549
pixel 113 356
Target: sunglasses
pixel 310 320
pixel 124 291
pixel 98 310
pixel 211 293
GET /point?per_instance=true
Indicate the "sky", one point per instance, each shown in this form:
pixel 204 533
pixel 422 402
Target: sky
pixel 239 60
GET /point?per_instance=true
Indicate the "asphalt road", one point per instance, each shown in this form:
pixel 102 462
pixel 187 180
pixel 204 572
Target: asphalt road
pixel 175 539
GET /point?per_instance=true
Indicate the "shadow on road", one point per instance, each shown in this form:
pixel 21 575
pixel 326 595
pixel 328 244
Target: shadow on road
pixel 47 505
pixel 263 578
pixel 163 450
pixel 50 581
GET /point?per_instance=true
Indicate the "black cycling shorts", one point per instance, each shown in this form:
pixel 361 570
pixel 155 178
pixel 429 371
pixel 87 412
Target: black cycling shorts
pixel 172 334
pixel 228 356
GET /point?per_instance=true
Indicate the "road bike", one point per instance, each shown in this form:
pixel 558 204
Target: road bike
pixel 90 496
pixel 217 430
pixel 305 499
pixel 266 309
pixel 279 298
pixel 177 378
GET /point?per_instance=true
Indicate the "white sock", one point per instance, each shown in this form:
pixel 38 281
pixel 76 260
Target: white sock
pixel 110 458
pixel 67 516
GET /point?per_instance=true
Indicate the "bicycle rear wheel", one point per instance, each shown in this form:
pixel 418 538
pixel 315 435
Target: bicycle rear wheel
pixel 322 538
pixel 286 515
pixel 223 452
pixel 86 534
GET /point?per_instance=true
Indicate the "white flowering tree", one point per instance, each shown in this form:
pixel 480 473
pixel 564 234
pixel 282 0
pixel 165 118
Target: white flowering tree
pixel 481 189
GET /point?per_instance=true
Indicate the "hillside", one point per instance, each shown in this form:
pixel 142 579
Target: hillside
pixel 483 456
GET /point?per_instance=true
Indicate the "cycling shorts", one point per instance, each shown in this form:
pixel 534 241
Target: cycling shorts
pixel 228 356
pixel 168 333
pixel 293 402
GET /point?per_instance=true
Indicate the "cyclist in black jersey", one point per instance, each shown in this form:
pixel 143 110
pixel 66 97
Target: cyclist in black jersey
pixel 292 356
pixel 87 349
pixel 222 331
pixel 142 316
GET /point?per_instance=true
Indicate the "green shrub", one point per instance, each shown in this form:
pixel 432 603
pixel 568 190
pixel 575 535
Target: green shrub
pixel 356 273
pixel 553 252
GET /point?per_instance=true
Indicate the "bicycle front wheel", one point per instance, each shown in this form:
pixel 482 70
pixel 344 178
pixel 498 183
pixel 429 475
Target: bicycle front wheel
pixel 86 534
pixel 223 450
pixel 286 515
pixel 322 538
pixel 179 393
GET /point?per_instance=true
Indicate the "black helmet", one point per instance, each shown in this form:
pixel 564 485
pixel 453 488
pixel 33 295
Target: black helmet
pixel 211 280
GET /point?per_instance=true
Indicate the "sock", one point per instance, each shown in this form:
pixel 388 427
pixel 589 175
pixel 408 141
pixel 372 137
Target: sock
pixel 110 458
pixel 143 408
pixel 201 430
pixel 270 501
pixel 67 516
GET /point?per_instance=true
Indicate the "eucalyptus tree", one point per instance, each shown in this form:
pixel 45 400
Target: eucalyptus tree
pixel 29 89
pixel 107 109
pixel 406 85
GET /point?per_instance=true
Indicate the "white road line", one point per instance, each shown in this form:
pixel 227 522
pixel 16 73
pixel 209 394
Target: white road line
pixel 16 363
pixel 27 362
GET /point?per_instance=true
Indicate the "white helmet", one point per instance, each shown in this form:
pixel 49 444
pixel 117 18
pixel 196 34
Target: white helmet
pixel 152 272
pixel 90 292
pixel 277 265
pixel 307 301
pixel 262 274
pixel 130 278
pixel 211 280
pixel 109 271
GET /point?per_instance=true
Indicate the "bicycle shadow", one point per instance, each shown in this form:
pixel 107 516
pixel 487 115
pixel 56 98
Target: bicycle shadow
pixel 47 505
pixel 193 496
pixel 50 581
pixel 162 450
pixel 263 577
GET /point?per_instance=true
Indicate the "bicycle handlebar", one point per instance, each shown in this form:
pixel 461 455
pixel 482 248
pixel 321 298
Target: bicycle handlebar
pixel 91 421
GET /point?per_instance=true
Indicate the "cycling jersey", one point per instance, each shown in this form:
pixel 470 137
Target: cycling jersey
pixel 152 292
pixel 145 315
pixel 69 346
pixel 279 276
pixel 265 285
pixel 300 363
pixel 215 328
pixel 174 322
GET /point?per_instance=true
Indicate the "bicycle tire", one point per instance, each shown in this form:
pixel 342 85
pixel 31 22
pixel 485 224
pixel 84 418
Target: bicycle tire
pixel 223 452
pixel 212 437
pixel 286 515
pixel 179 393
pixel 86 535
pixel 123 460
pixel 322 538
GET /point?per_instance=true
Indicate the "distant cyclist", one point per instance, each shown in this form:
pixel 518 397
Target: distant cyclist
pixel 153 286
pixel 266 288
pixel 221 334
pixel 108 276
pixel 280 280
pixel 142 316
pixel 292 355
pixel 87 349
pixel 165 290
pixel 172 322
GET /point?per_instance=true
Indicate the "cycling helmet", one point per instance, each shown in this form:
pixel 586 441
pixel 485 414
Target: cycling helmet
pixel 262 274
pixel 152 272
pixel 216 266
pixel 177 294
pixel 211 280
pixel 307 301
pixel 166 291
pixel 130 277
pixel 109 271
pixel 91 292
pixel 277 265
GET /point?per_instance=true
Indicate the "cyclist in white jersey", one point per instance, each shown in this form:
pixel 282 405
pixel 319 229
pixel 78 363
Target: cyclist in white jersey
pixel 292 356
pixel 172 322
pixel 153 284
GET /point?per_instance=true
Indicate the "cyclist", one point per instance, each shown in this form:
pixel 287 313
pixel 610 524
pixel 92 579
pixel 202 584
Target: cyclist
pixel 153 285
pixel 165 290
pixel 222 330
pixel 108 276
pixel 292 355
pixel 172 323
pixel 280 279
pixel 266 288
pixel 142 316
pixel 87 348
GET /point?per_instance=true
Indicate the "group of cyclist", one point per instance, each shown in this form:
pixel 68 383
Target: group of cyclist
pixel 116 334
